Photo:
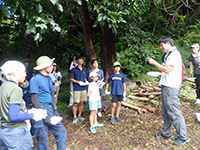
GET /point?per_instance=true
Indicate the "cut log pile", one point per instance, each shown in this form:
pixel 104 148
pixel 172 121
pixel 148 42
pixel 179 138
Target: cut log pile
pixel 149 92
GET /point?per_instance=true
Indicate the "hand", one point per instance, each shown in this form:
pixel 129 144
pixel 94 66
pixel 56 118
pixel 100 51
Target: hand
pixel 124 96
pixel 81 83
pixel 106 92
pixel 86 82
pixel 190 75
pixel 55 112
pixel 152 61
pixel 47 120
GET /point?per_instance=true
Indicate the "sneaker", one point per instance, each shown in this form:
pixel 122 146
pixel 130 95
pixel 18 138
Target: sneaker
pixel 75 120
pixel 97 124
pixel 160 135
pixel 112 120
pixel 99 114
pixel 81 118
pixel 179 142
pixel 118 119
pixel 92 129
pixel 197 101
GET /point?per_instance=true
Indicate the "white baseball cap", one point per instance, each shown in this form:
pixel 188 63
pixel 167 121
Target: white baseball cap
pixel 93 74
pixel 194 45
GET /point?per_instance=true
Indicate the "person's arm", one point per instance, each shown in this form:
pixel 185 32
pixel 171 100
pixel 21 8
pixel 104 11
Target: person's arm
pixel 73 80
pixel 162 68
pixel 34 100
pixel 107 85
pixel 124 85
pixel 14 114
pixel 88 93
pixel 53 99
pixel 191 68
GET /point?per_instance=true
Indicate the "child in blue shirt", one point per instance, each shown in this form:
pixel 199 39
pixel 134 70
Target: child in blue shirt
pixel 118 90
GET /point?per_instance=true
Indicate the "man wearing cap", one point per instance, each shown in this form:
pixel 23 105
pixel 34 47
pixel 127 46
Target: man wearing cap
pixel 170 89
pixel 194 60
pixel 42 96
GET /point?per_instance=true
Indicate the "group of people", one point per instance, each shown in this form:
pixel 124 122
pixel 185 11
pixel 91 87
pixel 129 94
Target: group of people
pixel 14 133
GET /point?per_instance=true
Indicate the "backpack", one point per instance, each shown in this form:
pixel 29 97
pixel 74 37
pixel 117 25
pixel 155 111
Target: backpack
pixel 183 66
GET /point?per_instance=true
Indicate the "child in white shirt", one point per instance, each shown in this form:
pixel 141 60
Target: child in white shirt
pixel 94 102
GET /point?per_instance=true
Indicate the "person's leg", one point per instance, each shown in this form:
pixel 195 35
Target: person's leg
pixel 59 132
pixel 57 93
pixel 80 109
pixel 118 108
pixel 175 115
pixel 91 117
pixel 113 109
pixel 167 126
pixel 197 81
pixel 95 117
pixel 71 100
pixel 74 109
pixel 41 134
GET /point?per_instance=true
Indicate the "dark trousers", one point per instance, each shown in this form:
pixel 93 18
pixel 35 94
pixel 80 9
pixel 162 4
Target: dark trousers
pixel 197 81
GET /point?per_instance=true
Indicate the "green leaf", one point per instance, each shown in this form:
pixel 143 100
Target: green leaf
pixel 78 1
pixel 4 10
pixel 57 28
pixel 42 26
pixel 60 7
pixel 54 1
pixel 39 8
pixel 36 37
pixel 22 11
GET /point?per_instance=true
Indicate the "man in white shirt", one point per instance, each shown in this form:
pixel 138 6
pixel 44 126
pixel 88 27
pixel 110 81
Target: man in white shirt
pixel 170 81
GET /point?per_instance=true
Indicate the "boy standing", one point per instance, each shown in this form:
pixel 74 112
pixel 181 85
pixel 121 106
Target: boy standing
pixel 79 78
pixel 118 90
pixel 94 101
pixel 170 90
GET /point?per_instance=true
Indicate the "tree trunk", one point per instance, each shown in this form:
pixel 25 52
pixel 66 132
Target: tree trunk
pixel 108 50
pixel 87 32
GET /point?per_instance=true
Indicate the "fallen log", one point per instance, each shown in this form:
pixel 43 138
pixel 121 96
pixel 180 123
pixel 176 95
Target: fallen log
pixel 140 110
pixel 139 98
pixel 151 109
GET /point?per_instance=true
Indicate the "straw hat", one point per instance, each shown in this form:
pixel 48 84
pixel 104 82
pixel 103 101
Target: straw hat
pixel 43 62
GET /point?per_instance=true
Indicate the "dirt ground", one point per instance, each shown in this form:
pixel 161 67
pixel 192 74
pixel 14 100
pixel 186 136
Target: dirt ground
pixel 136 132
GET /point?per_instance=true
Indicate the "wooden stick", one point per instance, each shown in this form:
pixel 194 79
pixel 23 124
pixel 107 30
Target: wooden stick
pixel 140 110
pixel 151 109
pixel 139 98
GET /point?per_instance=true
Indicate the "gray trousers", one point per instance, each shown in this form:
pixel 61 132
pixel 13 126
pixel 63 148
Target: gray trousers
pixel 171 113
pixel 71 100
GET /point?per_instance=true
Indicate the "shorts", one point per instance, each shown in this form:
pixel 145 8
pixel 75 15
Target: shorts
pixel 79 96
pixel 116 98
pixel 94 105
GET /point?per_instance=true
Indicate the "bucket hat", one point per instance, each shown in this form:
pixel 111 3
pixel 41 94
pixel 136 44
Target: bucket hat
pixel 43 62
pixel 10 66
pixel 116 64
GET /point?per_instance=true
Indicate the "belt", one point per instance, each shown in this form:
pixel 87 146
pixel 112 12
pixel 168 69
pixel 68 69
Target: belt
pixel 42 104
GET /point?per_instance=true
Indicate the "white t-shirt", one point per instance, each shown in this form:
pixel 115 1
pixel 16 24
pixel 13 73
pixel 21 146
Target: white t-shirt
pixel 58 77
pixel 94 88
pixel 173 78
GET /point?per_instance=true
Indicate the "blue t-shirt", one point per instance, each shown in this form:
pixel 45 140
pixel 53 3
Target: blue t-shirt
pixel 117 83
pixel 78 75
pixel 42 86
